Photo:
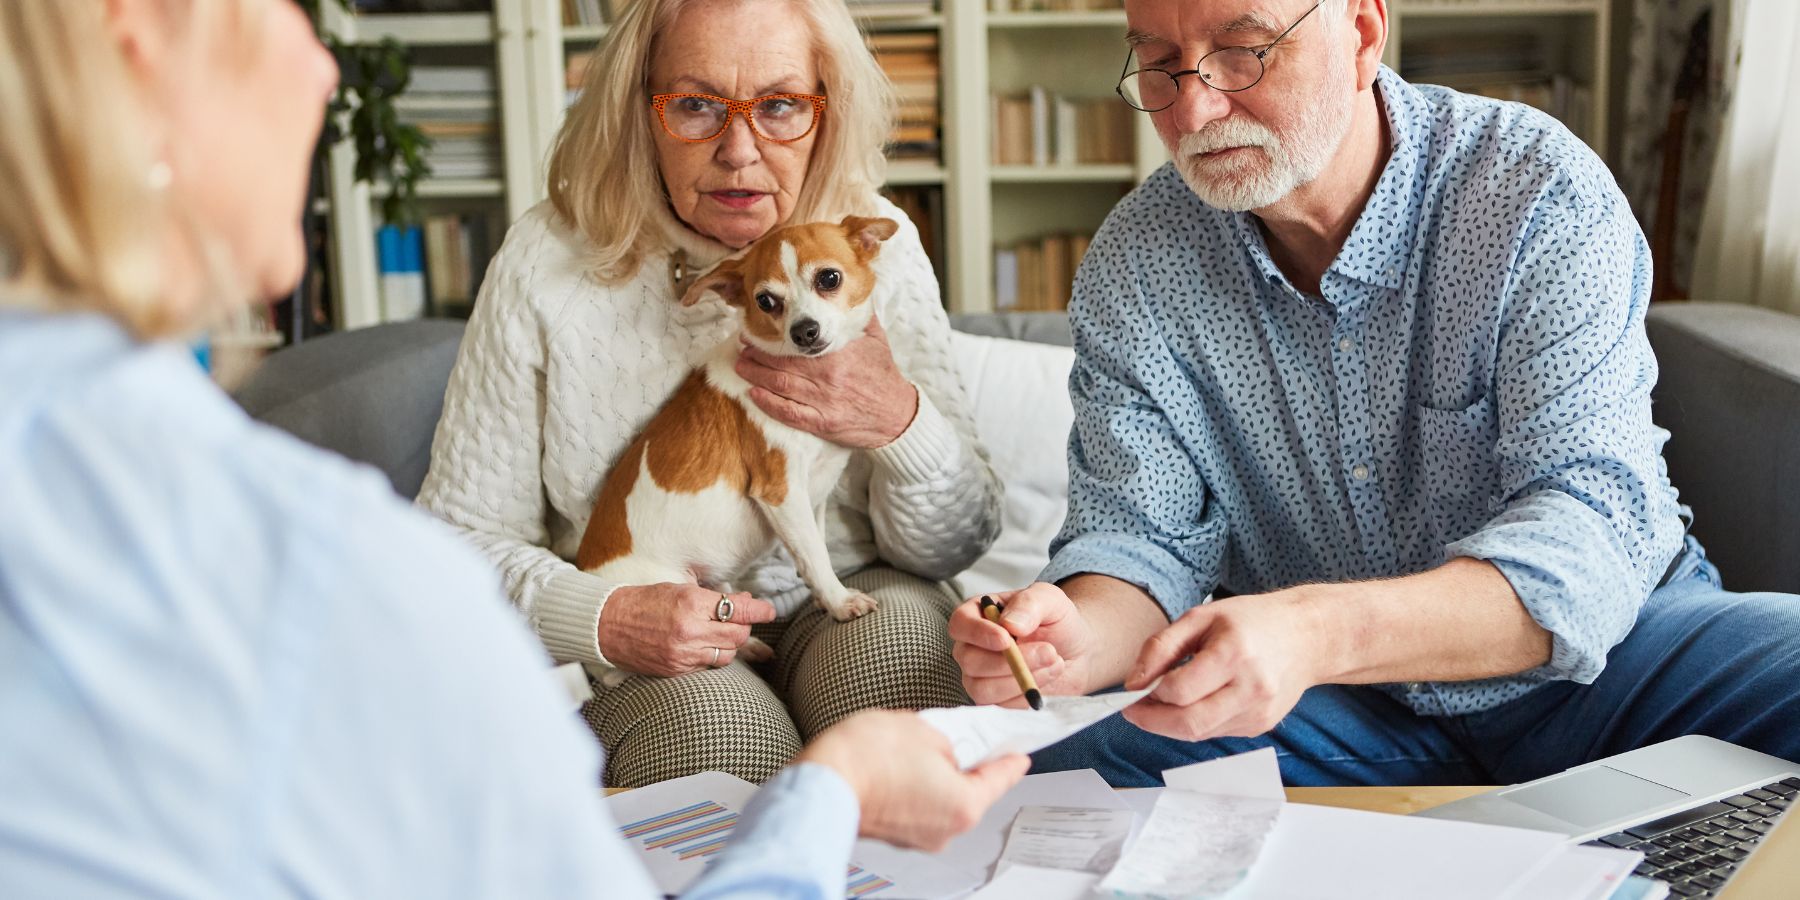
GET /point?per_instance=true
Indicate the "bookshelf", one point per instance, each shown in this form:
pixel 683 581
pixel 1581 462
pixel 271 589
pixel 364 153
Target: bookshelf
pixel 976 206
pixel 1555 54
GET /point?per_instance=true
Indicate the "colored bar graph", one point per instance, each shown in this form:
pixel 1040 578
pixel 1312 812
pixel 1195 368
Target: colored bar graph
pixel 700 830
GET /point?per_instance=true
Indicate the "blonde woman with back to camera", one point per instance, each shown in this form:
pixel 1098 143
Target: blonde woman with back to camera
pixel 224 653
pixel 579 337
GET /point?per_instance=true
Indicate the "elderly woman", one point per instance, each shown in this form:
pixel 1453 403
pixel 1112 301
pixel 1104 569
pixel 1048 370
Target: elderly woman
pixel 777 116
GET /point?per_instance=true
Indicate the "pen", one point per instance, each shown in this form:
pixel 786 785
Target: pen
pixel 991 610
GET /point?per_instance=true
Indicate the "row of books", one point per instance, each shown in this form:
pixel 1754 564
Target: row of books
pixel 455 107
pixel 586 12
pixel 1559 95
pixel 1036 276
pixel 1052 5
pixel 1507 65
pixel 889 9
pixel 910 59
pixel 1041 128
pixel 435 268
pixel 924 205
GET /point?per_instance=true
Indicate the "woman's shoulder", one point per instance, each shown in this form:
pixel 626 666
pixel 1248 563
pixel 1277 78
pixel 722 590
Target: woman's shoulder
pixel 542 258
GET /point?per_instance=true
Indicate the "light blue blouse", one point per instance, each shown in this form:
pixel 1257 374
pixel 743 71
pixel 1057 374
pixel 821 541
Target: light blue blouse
pixel 234 666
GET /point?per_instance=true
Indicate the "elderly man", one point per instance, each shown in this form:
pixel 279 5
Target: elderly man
pixel 1366 364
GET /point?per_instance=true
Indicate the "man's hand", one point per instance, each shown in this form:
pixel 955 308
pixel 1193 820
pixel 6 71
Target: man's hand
pixel 1252 658
pixel 906 778
pixel 1054 638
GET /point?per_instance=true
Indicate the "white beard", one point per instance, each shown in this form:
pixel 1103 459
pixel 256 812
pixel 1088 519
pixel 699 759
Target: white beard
pixel 1274 166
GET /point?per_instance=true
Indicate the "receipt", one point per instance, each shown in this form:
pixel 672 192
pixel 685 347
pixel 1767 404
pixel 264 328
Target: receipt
pixel 1195 845
pixel 1067 837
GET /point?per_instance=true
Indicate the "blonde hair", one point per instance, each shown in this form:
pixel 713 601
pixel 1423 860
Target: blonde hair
pixel 82 227
pixel 604 177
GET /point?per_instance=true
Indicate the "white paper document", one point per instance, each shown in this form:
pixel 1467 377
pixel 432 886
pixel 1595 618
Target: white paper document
pixel 1195 845
pixel 1067 837
pixel 1256 774
pixel 980 847
pixel 981 733
pixel 1349 854
pixel 1579 873
pixel 678 826
pixel 1033 883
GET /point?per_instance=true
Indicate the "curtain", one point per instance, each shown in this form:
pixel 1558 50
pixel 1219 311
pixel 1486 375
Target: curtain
pixel 1749 240
pixel 1674 104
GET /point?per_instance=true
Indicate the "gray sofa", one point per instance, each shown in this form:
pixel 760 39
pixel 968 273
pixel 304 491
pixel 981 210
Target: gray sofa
pixel 1729 394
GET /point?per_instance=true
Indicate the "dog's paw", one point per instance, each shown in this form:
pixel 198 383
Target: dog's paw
pixel 852 605
pixel 754 650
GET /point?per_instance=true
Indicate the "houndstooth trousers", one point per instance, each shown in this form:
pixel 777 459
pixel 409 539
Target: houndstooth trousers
pixel 750 721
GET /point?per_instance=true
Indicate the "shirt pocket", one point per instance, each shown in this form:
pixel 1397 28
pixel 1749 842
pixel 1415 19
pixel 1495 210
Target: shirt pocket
pixel 1456 451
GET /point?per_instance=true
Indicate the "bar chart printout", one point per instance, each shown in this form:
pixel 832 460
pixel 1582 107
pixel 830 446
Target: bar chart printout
pixel 677 826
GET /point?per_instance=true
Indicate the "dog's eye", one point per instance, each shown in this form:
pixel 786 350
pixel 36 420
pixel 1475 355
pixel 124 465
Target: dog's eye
pixel 828 279
pixel 767 302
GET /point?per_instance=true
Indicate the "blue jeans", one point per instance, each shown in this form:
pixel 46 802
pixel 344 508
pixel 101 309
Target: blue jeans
pixel 1700 660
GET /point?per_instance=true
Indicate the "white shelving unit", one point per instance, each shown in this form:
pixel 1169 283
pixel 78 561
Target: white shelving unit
pixel 1074 53
pixel 525 39
pixel 1578 32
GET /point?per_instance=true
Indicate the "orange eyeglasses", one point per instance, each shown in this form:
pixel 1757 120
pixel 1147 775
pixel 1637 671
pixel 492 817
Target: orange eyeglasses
pixel 778 118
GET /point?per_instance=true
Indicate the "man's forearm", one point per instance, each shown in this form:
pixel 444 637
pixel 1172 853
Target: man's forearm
pixel 1122 616
pixel 1458 622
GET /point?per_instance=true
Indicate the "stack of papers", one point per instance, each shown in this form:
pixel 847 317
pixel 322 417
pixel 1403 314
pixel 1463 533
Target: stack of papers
pixel 1219 829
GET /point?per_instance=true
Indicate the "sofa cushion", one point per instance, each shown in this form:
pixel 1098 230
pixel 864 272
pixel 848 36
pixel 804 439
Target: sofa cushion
pixel 373 395
pixel 1018 393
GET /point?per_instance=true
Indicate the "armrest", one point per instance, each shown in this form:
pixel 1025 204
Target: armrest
pixel 373 395
pixel 1729 394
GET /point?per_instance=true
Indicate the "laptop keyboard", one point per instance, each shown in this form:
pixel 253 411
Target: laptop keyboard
pixel 1697 850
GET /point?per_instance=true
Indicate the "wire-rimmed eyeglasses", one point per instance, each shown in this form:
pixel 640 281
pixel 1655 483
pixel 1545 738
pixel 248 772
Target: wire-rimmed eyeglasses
pixel 1228 69
pixel 698 118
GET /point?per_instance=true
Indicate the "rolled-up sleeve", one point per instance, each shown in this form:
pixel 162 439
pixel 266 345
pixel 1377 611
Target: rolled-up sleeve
pixel 1587 522
pixel 1139 509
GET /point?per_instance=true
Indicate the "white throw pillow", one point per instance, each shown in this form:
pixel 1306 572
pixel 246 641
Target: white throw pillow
pixel 1019 393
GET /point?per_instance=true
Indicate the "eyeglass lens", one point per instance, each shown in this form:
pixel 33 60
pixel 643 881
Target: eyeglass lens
pixel 1227 69
pixel 775 118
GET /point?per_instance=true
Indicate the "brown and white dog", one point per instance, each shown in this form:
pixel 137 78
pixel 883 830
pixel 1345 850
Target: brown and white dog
pixel 713 481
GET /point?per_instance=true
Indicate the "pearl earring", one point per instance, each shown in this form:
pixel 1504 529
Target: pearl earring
pixel 161 176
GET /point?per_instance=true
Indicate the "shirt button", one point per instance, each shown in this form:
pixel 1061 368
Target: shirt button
pixel 1345 344
pixel 1389 272
pixel 1360 473
pixel 1415 686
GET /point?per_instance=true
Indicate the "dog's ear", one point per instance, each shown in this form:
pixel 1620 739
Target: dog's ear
pixel 723 280
pixel 866 234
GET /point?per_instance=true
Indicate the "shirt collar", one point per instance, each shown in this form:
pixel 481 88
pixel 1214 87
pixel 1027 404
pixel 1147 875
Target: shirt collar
pixel 702 251
pixel 1380 244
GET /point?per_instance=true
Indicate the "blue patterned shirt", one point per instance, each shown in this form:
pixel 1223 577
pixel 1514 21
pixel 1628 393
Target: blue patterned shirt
pixel 1474 382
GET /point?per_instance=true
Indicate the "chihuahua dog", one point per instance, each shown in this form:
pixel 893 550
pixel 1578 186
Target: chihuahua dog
pixel 713 481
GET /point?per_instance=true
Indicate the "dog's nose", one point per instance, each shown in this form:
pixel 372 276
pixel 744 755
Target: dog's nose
pixel 805 333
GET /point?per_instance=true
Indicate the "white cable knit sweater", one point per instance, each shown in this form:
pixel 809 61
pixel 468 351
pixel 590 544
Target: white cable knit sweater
pixel 557 373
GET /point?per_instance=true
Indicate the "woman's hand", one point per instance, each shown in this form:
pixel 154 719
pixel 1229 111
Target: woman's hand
pixel 906 778
pixel 669 629
pixel 854 397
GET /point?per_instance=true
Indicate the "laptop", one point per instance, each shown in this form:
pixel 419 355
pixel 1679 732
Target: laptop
pixel 1696 807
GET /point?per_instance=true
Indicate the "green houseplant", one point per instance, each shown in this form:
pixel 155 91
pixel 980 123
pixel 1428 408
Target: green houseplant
pixel 388 150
